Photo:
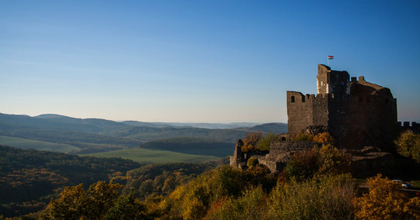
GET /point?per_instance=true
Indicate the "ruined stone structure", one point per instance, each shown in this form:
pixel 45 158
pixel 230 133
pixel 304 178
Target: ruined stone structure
pixel 361 116
pixel 356 113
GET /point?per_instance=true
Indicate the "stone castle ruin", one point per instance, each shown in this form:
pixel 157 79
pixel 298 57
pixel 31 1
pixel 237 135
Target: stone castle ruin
pixel 361 116
pixel 355 112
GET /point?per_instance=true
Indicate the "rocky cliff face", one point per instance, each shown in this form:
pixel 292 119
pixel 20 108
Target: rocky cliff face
pixel 365 162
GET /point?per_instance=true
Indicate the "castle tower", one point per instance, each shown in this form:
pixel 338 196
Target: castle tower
pixel 332 81
pixel 356 113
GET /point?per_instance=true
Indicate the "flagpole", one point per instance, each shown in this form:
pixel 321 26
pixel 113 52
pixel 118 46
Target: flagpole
pixel 328 61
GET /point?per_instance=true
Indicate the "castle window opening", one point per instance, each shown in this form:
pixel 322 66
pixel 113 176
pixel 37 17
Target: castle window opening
pixel 303 98
pixel 292 99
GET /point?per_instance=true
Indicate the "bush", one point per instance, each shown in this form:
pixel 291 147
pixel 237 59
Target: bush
pixel 323 138
pixel 303 165
pixel 252 162
pixel 301 136
pixel 318 162
pixel 252 205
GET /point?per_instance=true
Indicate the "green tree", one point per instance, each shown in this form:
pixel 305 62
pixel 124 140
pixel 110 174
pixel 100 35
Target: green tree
pixel 303 165
pixel 265 141
pixel 333 161
pixel 408 144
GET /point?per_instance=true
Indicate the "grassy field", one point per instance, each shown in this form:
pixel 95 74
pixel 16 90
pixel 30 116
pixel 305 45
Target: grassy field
pixel 34 144
pixel 153 156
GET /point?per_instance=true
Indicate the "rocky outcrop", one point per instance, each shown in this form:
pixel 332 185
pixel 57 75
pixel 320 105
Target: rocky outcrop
pixel 238 158
pixel 371 160
pixel 365 162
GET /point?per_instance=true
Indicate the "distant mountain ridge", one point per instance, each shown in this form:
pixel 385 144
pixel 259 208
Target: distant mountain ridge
pixel 98 135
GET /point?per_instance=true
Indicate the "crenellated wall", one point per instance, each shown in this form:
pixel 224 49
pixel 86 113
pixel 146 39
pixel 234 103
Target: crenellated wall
pixel 415 127
pixel 357 113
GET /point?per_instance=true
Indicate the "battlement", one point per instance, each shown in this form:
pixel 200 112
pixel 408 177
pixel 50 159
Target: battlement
pixel 297 97
pixel 415 127
pixel 355 111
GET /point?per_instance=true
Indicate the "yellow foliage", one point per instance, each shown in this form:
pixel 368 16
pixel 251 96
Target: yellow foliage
pixel 250 141
pixel 323 138
pixel 252 162
pixel 76 203
pixel 408 144
pixel 384 201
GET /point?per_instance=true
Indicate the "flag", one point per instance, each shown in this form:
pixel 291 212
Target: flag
pixel 330 57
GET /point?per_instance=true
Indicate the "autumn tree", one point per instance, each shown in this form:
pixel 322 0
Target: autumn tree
pixel 76 203
pixel 323 138
pixel 251 140
pixel 127 207
pixel 384 201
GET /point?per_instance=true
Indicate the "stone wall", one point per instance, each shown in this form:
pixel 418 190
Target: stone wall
pixel 281 152
pixel 357 113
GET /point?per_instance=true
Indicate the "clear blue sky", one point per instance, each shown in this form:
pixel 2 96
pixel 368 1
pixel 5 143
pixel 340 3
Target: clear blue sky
pixel 198 61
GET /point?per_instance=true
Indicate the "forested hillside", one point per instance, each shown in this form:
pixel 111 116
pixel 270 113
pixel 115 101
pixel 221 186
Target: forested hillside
pixel 198 146
pixel 28 178
pixel 99 135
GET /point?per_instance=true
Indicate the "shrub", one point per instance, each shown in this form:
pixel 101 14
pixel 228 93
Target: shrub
pixel 318 162
pixel 252 205
pixel 301 136
pixel 333 160
pixel 259 175
pixel 252 162
pixel 303 165
pixel 323 138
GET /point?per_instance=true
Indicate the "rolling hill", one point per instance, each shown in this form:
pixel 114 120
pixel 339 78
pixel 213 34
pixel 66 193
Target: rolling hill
pixel 99 135
pixel 197 146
